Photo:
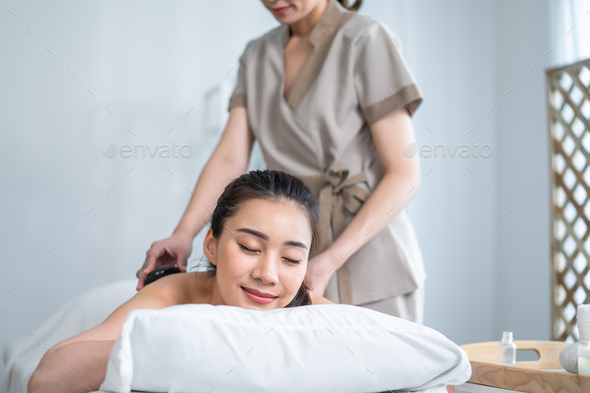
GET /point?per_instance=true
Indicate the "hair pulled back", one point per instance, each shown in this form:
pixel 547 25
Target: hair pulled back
pixel 271 185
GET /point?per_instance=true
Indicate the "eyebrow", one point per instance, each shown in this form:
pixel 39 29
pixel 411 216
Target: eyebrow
pixel 264 237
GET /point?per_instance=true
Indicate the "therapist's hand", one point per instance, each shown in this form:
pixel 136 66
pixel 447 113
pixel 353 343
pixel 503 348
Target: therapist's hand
pixel 319 271
pixel 171 251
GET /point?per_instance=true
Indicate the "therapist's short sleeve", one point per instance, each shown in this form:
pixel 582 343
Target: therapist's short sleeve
pixel 238 97
pixel 382 77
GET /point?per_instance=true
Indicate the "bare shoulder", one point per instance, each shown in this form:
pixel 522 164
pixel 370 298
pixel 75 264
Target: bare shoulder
pixel 319 299
pixel 174 288
pixel 184 288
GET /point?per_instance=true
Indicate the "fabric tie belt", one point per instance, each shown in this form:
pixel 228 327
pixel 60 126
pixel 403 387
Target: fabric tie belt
pixel 335 193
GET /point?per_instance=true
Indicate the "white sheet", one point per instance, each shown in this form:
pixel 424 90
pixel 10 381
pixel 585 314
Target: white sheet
pixel 86 311
pixel 435 389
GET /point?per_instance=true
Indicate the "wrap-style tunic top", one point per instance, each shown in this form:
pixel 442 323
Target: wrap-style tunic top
pixel 321 133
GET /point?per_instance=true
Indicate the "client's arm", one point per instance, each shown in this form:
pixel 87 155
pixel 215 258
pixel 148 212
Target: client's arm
pixel 76 367
pixel 80 362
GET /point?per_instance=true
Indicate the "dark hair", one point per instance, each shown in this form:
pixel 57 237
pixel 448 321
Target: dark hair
pixel 270 185
pixel 355 7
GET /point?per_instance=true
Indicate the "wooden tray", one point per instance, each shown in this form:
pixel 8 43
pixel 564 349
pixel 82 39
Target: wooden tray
pixel 540 376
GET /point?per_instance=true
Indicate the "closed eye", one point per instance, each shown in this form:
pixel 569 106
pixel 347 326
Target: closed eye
pixel 253 251
pixel 248 249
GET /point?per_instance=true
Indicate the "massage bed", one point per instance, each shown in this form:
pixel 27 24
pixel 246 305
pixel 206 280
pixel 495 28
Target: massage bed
pixel 88 310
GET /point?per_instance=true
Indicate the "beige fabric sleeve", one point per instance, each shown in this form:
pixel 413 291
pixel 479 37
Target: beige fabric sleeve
pixel 238 97
pixel 383 79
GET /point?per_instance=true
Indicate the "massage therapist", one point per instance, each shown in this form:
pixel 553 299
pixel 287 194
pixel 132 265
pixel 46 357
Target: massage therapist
pixel 329 97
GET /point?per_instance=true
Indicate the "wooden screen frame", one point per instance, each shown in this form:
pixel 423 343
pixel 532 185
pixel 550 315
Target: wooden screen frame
pixel 561 329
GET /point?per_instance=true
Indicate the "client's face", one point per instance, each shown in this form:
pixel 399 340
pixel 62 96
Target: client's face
pixel 261 255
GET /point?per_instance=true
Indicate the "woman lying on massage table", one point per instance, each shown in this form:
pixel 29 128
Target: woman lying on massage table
pixel 263 229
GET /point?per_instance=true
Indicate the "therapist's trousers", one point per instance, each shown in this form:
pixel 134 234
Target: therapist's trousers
pixel 408 306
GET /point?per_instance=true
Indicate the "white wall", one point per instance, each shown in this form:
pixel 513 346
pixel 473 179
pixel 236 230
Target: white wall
pixel 151 62
pixel 523 288
pixel 454 214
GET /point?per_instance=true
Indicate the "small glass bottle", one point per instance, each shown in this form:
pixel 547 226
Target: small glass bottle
pixel 506 350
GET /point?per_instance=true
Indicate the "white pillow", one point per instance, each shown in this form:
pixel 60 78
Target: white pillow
pixel 319 348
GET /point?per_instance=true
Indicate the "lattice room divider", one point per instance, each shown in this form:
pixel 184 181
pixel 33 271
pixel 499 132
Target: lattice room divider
pixel 568 98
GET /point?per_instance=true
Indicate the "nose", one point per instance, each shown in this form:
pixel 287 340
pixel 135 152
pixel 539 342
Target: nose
pixel 267 269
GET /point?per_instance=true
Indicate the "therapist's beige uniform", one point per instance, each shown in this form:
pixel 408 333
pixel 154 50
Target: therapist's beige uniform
pixel 320 133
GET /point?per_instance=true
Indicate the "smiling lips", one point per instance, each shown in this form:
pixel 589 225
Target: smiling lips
pixel 258 296
pixel 281 11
